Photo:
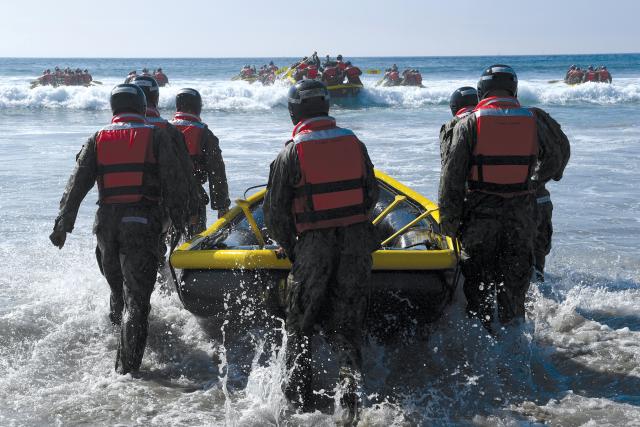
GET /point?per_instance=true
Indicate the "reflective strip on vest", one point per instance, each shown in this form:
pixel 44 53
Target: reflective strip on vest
pixel 157 121
pixel 331 189
pixel 125 160
pixel 506 148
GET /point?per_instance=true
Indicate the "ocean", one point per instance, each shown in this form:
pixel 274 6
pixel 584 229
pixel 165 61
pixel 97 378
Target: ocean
pixel 577 358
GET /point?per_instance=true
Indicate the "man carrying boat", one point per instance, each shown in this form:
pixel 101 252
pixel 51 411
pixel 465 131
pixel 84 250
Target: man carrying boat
pixel 462 102
pixel 204 149
pixel 139 177
pixel 499 156
pixel 320 193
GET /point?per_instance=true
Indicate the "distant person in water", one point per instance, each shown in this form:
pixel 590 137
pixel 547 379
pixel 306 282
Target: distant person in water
pixel 132 75
pixel 161 77
pixel 604 76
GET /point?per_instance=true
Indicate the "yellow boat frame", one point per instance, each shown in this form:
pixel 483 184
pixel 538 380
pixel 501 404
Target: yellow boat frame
pixel 255 259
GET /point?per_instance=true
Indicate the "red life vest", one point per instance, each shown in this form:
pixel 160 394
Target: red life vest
pixel 124 152
pixel 342 65
pixel 418 78
pixel 465 111
pixel 193 130
pixel 591 76
pixel 312 72
pixel 330 73
pixel 154 119
pixel 331 188
pixel 506 148
pixel 353 72
pixel 302 66
pixel 604 75
pixel 394 75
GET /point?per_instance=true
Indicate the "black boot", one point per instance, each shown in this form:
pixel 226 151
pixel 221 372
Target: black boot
pixel 349 399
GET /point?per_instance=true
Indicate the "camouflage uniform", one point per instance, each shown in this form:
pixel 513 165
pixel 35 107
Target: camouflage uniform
pixel 214 172
pixel 329 280
pixel 496 232
pixel 128 239
pixel 446 134
pixel 542 241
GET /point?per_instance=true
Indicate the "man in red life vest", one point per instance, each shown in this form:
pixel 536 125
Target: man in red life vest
pixel 604 76
pixel 590 76
pixel 86 77
pixel 498 157
pixel 353 74
pixel 161 77
pixel 462 102
pixel 319 197
pixel 138 176
pixel 340 63
pixel 204 149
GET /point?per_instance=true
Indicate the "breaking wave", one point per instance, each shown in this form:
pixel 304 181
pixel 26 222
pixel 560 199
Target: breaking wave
pixel 240 96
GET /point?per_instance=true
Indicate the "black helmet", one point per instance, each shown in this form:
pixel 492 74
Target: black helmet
pixel 149 86
pixel 496 77
pixel 463 97
pixel 339 57
pixel 128 98
pixel 189 100
pixel 308 98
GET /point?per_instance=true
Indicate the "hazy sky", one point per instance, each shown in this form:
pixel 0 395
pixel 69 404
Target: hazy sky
pixel 232 28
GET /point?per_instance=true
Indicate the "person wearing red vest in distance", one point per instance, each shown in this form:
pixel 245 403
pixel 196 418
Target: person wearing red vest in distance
pixel 161 77
pixel 499 155
pixel 151 91
pixel 317 207
pixel 604 76
pixel 352 73
pixel 204 149
pixel 462 102
pixel 590 76
pixel 340 63
pixel 138 176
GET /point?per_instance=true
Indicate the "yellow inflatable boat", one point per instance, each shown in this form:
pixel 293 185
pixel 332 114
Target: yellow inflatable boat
pixel 232 269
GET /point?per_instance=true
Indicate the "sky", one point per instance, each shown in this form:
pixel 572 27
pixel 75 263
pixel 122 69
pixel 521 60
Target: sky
pixel 275 28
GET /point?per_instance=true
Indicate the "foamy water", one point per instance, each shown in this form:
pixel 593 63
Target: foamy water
pixel 575 362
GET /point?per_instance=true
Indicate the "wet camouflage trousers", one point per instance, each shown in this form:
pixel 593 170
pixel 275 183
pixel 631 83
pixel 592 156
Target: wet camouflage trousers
pixel 127 254
pixel 200 223
pixel 542 241
pixel 497 256
pixel 328 286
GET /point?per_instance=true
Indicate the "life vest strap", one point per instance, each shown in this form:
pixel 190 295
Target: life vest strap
pixel 498 188
pixel 328 187
pixel 127 167
pixel 502 160
pixel 329 214
pixel 148 191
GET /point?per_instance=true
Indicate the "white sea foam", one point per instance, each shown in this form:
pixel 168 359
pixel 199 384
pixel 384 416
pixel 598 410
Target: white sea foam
pixel 241 96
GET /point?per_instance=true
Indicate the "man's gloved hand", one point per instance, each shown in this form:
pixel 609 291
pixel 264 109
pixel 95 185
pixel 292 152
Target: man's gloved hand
pixel 222 212
pixel 58 238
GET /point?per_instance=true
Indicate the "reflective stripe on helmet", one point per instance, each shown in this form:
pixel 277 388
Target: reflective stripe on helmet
pixel 124 89
pixel 468 92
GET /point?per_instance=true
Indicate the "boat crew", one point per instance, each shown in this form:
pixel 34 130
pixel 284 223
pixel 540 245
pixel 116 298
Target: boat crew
pixel 204 149
pixel 319 197
pixel 462 102
pixel 139 177
pixel 498 157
